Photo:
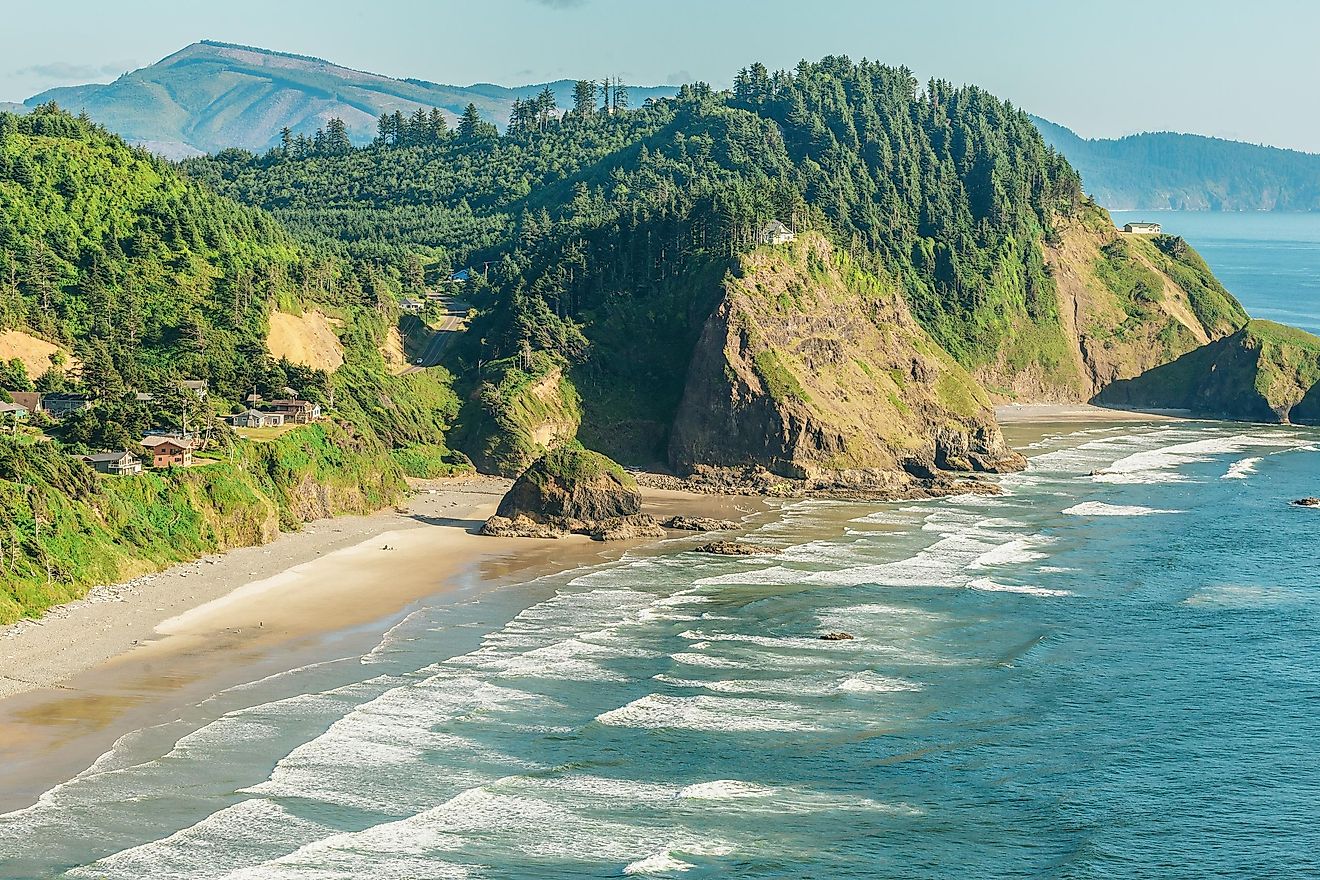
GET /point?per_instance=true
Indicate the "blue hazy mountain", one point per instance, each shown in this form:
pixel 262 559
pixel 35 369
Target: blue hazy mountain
pixel 1188 172
pixel 209 95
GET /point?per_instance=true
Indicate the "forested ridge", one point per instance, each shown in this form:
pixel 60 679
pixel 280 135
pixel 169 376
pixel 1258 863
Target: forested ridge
pixel 601 231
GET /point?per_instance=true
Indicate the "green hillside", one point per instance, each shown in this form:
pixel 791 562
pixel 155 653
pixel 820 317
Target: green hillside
pixel 145 278
pixel 209 96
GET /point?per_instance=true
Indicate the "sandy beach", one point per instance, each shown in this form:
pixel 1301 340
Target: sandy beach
pixel 1072 413
pixel 131 655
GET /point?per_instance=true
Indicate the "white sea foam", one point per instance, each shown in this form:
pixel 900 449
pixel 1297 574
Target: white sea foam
pixel 724 789
pixel 1160 465
pixel 656 711
pixel 868 682
pixel 988 586
pixel 1242 468
pixel 1100 508
pixel 660 863
pixel 1238 596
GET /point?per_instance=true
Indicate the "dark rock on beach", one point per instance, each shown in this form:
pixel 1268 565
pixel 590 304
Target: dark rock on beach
pixel 733 548
pixel 700 524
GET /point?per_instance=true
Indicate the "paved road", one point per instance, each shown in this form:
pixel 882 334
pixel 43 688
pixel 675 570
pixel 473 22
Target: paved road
pixel 442 337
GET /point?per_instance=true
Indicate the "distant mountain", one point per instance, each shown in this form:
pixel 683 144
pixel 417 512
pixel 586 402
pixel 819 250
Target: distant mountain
pixel 209 96
pixel 1188 172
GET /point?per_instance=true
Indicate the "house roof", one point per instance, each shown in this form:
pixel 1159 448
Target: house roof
pixel 193 383
pixel 109 456
pixel 153 442
pixel 302 403
pixel 775 227
pixel 12 407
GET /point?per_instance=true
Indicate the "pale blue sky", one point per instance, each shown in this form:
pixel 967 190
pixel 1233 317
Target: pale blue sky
pixel 1103 67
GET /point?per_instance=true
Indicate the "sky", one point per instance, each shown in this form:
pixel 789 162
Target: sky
pixel 1237 70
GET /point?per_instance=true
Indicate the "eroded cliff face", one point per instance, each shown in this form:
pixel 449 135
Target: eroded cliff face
pixel 1126 304
pixel 814 370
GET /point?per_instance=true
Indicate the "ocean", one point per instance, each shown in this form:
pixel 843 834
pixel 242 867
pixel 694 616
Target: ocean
pixel 1109 671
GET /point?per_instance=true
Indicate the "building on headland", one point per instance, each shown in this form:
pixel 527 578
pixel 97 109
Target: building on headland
pixel 169 451
pixel 59 405
pixel 199 387
pixel 11 414
pixel 255 418
pixel 29 400
pixel 300 412
pixel 775 232
pixel 1142 228
pixel 119 464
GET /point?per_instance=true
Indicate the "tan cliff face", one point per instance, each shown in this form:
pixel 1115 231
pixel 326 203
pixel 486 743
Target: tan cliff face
pixel 815 370
pixel 1126 304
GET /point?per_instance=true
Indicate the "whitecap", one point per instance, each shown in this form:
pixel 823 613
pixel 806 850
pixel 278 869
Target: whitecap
pixel 1100 508
pixel 716 714
pixel 660 863
pixel 1240 470
pixel 988 586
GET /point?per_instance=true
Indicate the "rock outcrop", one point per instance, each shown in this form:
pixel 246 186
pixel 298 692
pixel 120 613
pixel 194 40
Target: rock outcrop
pixel 1265 372
pixel 812 370
pixel 572 490
pixel 733 548
pixel 700 524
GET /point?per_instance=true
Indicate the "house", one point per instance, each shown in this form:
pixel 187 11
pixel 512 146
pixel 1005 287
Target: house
pixel 775 232
pixel 300 412
pixel 412 305
pixel 120 464
pixel 29 400
pixel 60 405
pixel 11 414
pixel 169 451
pixel 198 387
pixel 461 276
pixel 143 397
pixel 1142 228
pixel 255 418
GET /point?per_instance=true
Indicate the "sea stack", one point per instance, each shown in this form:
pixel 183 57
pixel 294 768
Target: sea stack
pixel 572 490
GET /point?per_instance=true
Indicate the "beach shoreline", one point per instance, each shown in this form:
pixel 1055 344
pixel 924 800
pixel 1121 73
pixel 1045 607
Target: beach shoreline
pixel 133 656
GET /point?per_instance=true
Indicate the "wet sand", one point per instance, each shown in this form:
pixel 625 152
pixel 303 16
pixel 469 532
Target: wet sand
pixel 131 657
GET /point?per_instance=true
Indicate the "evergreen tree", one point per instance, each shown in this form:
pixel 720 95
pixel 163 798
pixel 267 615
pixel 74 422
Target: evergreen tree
pixel 469 124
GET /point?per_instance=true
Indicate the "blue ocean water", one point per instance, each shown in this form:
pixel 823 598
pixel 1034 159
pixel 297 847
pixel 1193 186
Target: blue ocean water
pixel 1110 671
pixel 1270 261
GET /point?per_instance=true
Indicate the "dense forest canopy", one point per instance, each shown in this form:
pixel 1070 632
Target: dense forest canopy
pixel 597 224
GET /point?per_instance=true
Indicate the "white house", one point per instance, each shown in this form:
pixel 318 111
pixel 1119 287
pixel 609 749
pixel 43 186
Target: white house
pixel 1142 228
pixel 775 232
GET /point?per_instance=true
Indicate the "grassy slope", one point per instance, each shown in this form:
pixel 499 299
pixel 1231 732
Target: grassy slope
pixel 1263 372
pixel 65 529
pixel 1126 304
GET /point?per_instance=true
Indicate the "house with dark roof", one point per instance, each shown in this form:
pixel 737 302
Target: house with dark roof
pixel 255 418
pixel 120 464
pixel 775 232
pixel 300 412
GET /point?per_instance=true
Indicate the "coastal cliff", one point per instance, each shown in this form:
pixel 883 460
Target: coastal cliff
pixel 1265 372
pixel 1125 304
pixel 813 369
